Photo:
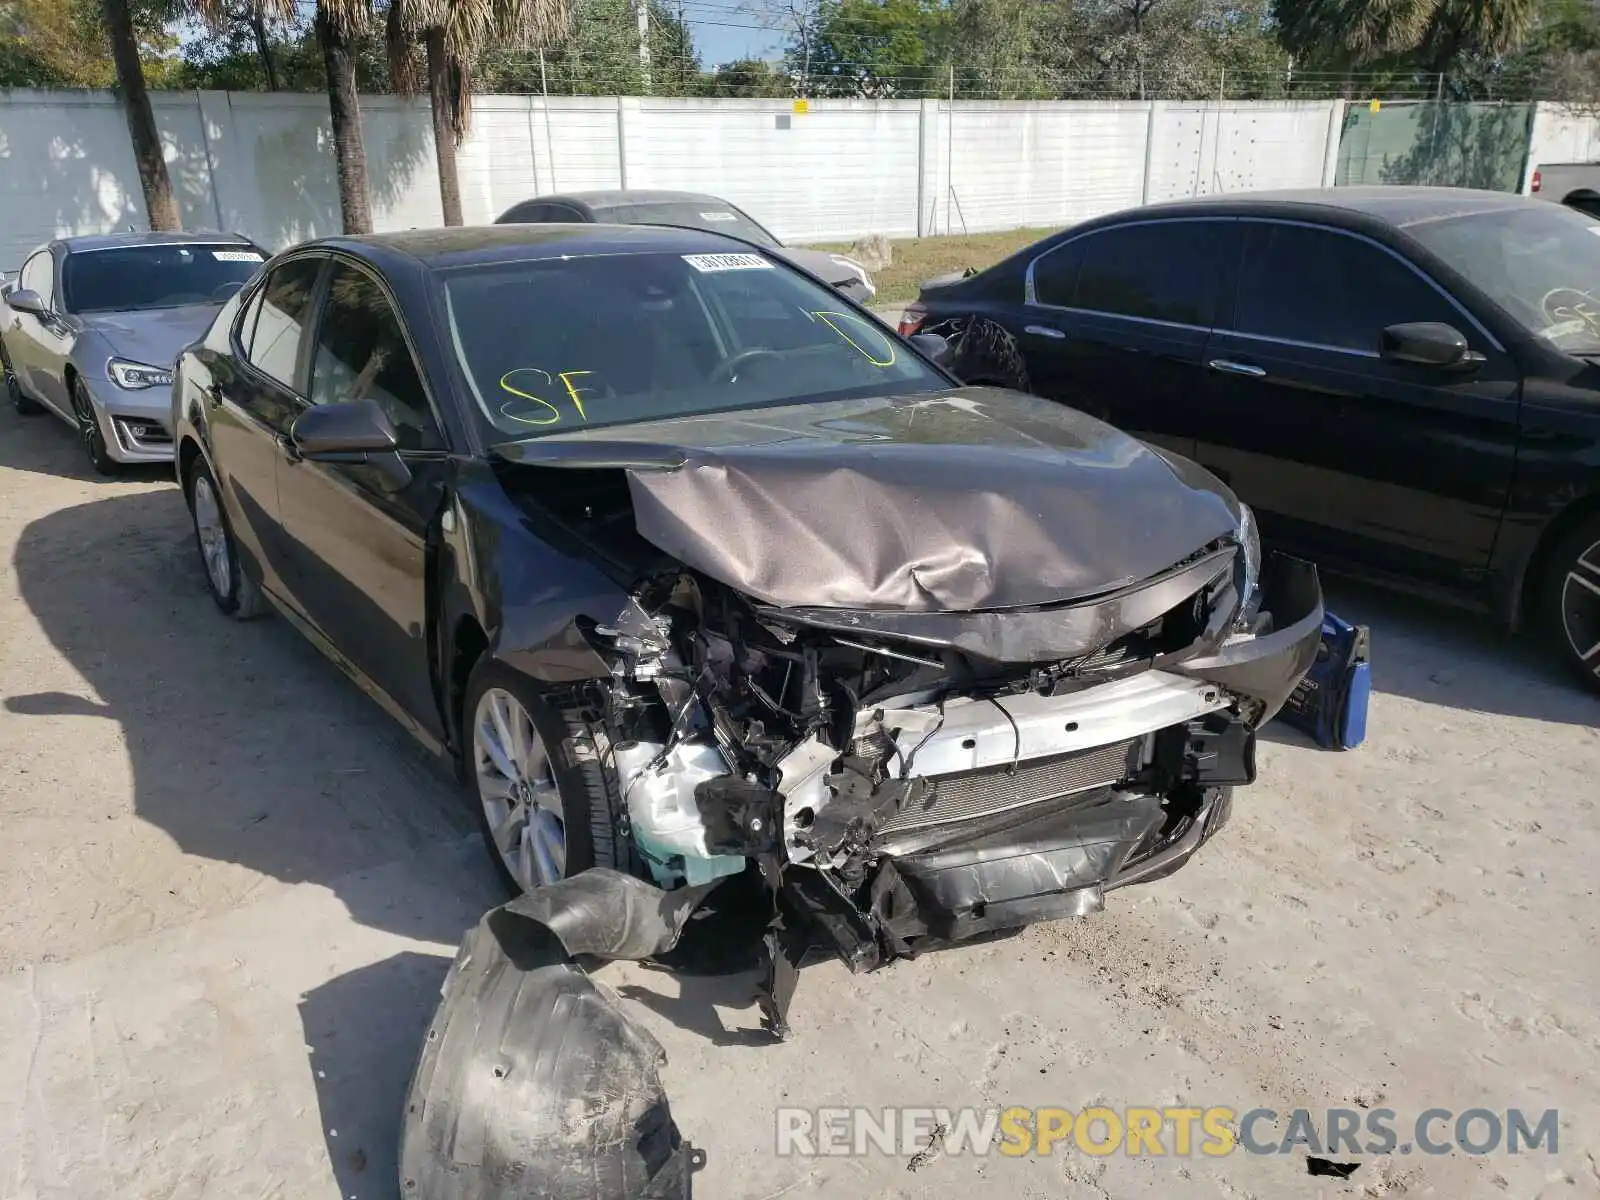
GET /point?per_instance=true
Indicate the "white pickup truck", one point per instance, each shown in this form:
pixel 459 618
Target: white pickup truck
pixel 1576 185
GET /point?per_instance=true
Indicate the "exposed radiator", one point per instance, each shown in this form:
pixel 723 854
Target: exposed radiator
pixel 992 790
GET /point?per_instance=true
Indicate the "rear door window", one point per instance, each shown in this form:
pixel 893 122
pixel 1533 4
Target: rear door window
pixel 1171 271
pixel 1055 275
pixel 1320 287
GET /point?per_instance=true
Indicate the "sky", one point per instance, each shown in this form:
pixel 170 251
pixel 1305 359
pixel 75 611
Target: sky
pixel 726 30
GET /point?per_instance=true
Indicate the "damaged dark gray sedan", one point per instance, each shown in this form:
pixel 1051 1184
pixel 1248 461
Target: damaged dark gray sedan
pixel 700 571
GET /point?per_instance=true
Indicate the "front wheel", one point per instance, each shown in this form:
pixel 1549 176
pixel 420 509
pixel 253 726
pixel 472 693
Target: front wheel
pixel 1572 599
pixel 90 432
pixel 544 798
pixel 233 590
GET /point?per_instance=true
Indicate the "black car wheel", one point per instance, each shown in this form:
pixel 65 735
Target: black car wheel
pixel 545 800
pixel 1572 597
pixel 230 587
pixel 90 433
pixel 19 402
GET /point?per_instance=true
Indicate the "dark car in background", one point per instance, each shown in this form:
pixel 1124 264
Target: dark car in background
pixel 691 210
pixel 91 325
pixel 1403 383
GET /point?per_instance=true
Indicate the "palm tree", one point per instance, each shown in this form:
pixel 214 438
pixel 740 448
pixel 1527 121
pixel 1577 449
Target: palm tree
pixel 154 181
pixel 453 33
pixel 122 32
pixel 338 24
pixel 1433 34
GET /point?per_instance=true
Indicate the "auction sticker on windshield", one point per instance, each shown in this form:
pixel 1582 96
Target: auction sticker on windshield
pixel 236 256
pixel 727 262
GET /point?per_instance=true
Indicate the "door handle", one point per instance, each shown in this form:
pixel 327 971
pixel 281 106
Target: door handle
pixel 1228 367
pixel 1045 331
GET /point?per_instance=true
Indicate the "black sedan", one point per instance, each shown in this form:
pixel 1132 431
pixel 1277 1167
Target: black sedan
pixel 701 572
pixel 1404 383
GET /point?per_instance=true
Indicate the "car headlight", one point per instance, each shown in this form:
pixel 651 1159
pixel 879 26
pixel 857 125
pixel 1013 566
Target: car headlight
pixel 1250 540
pixel 135 375
pixel 851 264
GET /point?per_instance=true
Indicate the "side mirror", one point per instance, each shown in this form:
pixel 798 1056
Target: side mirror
pixel 935 346
pixel 1428 344
pixel 27 300
pixel 343 432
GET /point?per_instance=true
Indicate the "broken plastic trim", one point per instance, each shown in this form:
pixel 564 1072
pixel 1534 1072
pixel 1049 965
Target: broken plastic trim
pixel 531 1082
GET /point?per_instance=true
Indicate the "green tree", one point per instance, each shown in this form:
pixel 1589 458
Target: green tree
pixel 747 77
pixel 599 56
pixel 872 48
pixel 231 60
pixel 47 43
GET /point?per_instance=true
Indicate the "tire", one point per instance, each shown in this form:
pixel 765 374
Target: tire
pixel 234 592
pixel 90 433
pixel 1571 596
pixel 564 778
pixel 21 403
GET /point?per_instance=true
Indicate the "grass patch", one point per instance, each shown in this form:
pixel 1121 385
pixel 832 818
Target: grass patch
pixel 916 259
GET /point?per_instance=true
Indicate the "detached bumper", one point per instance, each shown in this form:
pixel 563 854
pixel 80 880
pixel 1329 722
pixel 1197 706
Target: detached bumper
pixel 1266 666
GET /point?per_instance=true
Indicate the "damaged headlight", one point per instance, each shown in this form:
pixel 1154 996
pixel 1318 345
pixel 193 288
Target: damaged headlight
pixel 1250 541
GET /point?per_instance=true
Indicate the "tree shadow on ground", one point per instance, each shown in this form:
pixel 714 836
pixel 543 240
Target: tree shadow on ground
pixel 245 744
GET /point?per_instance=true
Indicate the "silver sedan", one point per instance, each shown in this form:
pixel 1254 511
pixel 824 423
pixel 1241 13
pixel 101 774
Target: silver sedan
pixel 90 328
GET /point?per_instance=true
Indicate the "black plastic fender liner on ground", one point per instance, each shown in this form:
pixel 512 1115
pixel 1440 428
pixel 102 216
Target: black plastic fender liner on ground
pixel 532 1085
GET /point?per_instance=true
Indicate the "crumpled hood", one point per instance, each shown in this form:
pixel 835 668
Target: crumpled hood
pixel 155 337
pixel 974 498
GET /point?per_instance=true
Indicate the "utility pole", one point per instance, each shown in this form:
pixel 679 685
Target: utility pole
pixel 644 43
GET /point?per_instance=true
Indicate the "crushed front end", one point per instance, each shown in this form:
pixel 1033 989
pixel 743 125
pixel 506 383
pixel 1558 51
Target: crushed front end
pixel 906 780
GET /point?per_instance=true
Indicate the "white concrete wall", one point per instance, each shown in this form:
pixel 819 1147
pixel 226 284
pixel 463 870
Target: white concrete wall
pixel 263 164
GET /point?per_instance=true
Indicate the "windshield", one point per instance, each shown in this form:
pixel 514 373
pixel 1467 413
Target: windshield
pixel 565 344
pixel 143 277
pixel 715 215
pixel 1540 262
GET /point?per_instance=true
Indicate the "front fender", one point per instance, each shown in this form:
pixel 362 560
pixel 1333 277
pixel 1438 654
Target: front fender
pixel 1266 667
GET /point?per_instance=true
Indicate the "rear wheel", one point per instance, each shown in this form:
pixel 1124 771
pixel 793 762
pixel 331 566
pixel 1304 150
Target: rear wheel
pixel 14 394
pixel 1572 600
pixel 545 800
pixel 90 433
pixel 230 587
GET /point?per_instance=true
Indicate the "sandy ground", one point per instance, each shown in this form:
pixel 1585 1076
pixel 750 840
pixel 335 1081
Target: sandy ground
pixel 230 889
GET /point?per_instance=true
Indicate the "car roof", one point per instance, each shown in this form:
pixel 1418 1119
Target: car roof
pixel 1397 206
pixel 466 245
pixel 616 197
pixel 110 241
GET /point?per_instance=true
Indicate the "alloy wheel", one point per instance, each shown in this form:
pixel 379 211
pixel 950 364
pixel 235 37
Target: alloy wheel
pixel 212 535
pixel 90 433
pixel 517 788
pixel 1580 608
